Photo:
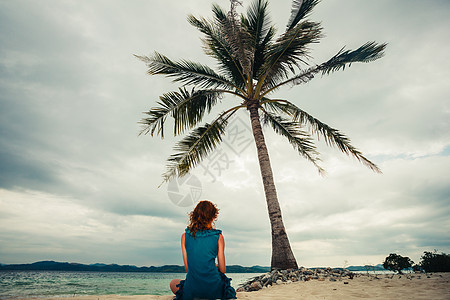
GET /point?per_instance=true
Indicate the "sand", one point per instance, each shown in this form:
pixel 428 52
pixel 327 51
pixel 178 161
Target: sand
pixel 362 287
pixel 410 286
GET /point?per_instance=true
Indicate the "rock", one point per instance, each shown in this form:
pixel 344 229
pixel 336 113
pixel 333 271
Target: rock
pixel 255 286
pixel 293 275
pixel 240 289
pixel 267 283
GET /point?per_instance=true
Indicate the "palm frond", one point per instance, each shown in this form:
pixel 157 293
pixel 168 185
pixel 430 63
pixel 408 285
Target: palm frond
pixel 332 136
pixel 298 138
pixel 261 52
pixel 215 46
pixel 187 72
pixel 302 77
pixel 238 39
pixel 233 4
pixel 290 50
pixel 368 52
pixel 300 9
pixel 258 24
pixel 197 145
pixel 187 109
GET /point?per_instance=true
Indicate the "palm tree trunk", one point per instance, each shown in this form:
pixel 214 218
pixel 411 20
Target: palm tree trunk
pixel 282 256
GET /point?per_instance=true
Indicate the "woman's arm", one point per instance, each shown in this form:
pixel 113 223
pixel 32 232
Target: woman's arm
pixel 183 249
pixel 221 255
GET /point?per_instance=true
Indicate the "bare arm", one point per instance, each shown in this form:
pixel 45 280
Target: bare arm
pixel 183 249
pixel 221 255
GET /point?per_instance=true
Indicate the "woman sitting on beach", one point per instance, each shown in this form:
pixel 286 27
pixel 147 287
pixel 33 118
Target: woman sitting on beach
pixel 201 244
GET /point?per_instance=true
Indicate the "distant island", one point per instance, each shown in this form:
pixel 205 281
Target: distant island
pixel 66 266
pixel 98 267
pixel 367 268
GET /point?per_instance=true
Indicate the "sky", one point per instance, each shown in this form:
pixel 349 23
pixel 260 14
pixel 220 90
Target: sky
pixel 78 183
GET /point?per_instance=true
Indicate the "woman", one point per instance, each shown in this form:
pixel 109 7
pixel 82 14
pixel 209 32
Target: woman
pixel 201 244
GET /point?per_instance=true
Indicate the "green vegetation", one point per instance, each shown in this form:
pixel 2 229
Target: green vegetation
pixel 435 262
pixel 395 262
pixel 430 262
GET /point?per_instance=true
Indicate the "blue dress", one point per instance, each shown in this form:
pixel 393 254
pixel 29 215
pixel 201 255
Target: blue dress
pixel 203 280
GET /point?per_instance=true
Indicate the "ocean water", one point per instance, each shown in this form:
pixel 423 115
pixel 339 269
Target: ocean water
pixel 23 284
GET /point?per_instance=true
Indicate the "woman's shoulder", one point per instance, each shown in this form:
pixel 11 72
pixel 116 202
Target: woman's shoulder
pixel 203 233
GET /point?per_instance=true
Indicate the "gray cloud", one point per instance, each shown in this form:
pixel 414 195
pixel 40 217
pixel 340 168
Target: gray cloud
pixel 76 179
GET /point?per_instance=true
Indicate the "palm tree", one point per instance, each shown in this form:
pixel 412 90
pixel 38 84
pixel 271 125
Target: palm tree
pixel 253 63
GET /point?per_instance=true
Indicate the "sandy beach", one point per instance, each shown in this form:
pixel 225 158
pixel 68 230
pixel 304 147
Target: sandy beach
pixel 410 286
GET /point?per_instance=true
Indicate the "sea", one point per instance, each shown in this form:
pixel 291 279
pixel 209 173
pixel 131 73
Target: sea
pixel 41 284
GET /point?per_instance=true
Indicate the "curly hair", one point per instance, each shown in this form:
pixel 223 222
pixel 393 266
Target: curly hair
pixel 202 216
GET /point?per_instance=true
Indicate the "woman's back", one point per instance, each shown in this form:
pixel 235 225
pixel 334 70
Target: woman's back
pixel 203 279
pixel 200 245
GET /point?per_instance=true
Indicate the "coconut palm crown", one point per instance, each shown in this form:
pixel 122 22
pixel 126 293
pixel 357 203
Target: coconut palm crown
pixel 253 63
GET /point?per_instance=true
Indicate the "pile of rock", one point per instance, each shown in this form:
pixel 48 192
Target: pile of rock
pixel 293 275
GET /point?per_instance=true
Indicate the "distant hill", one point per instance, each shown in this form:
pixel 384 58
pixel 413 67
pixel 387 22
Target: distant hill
pixel 378 267
pixel 99 267
pixel 65 266
pixel 241 269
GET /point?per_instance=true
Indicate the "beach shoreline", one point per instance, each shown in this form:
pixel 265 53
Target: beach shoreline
pixel 362 286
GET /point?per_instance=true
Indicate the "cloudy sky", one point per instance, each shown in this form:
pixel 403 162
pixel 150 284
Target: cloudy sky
pixel 78 184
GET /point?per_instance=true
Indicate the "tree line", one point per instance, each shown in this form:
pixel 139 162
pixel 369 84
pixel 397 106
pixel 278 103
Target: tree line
pixel 430 262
